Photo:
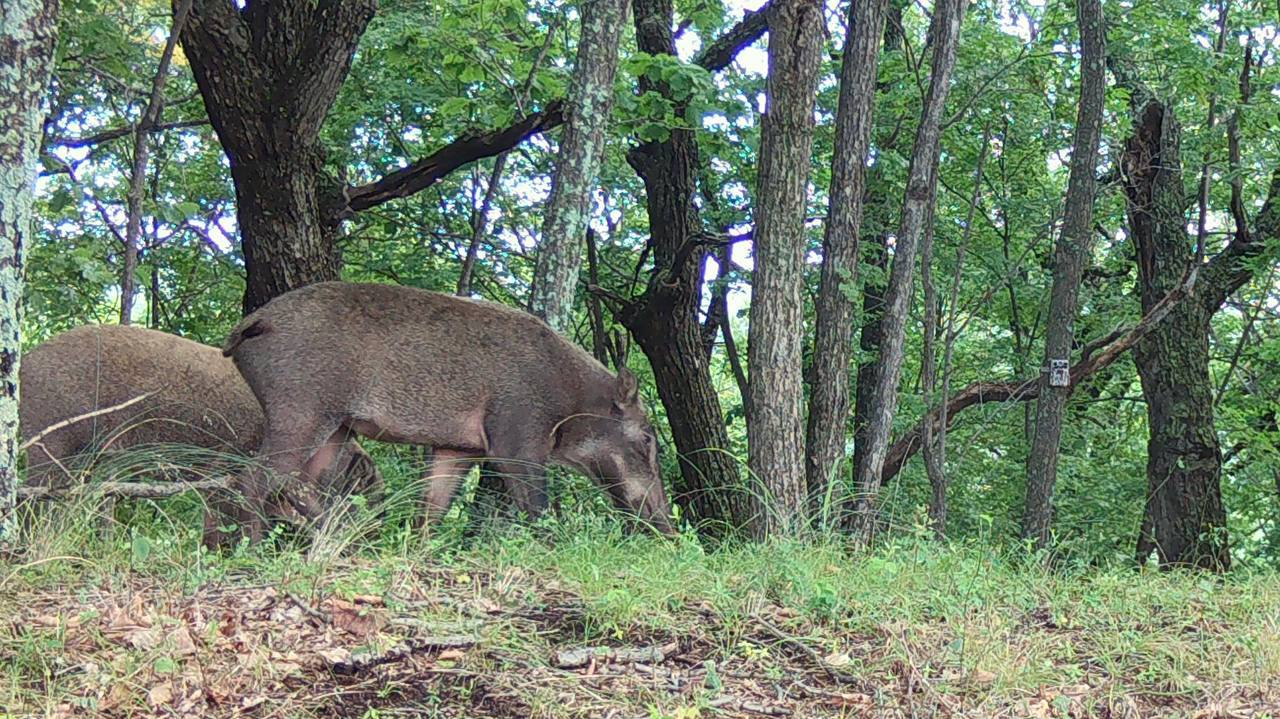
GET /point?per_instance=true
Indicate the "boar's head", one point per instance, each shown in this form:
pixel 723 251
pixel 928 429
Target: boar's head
pixel 616 446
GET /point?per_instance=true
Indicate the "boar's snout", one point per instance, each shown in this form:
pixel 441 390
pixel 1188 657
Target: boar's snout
pixel 619 450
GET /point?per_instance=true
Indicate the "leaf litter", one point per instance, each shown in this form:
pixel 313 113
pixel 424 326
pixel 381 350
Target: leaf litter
pixel 470 645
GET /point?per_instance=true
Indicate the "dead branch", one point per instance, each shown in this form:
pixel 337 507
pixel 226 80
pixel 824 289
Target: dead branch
pixel 582 656
pixel 400 652
pixel 130 490
pixel 80 418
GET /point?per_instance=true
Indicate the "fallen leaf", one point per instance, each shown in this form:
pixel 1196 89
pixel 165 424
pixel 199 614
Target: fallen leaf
pixel 160 694
pixel 838 659
pixel 1038 709
pixel 49 620
pixel 118 694
pixel 355 619
pixel 846 701
pixel 335 655
pixel 982 676
pixel 183 643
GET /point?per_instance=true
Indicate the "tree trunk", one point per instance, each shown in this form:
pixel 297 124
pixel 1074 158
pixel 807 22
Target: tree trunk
pixel 138 171
pixel 28 34
pixel 1184 461
pixel 921 183
pixel 269 74
pixel 578 165
pixel 1068 268
pixel 664 319
pixel 833 334
pixel 869 339
pixel 285 246
pixel 933 461
pixel 774 361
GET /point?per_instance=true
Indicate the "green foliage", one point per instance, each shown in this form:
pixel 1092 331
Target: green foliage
pixel 427 72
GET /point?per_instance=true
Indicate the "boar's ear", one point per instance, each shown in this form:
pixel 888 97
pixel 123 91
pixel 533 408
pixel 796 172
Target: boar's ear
pixel 628 387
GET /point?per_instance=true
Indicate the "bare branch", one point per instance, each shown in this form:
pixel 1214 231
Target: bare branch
pixel 81 417
pixel 116 133
pixel 722 51
pixel 133 490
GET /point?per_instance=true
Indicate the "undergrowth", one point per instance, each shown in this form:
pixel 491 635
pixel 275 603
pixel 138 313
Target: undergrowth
pixel 965 628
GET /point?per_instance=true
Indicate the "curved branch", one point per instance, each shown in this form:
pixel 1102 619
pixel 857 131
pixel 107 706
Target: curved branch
pixel 431 169
pixel 722 51
pixel 434 167
pixel 1028 389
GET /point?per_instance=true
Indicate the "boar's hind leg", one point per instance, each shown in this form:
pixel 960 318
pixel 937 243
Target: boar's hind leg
pixel 448 468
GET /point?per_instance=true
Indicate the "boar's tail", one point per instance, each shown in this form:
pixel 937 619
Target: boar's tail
pixel 251 326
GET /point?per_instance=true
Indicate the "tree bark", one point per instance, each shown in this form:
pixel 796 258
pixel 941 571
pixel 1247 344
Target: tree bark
pixel 28 35
pixel 1184 460
pixel 921 183
pixel 269 74
pixel 869 338
pixel 933 463
pixel 138 171
pixel 578 165
pixel 774 361
pixel 664 319
pixel 835 310
pixel 1070 257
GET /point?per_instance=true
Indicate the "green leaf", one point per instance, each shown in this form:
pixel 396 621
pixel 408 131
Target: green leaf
pixel 141 548
pixel 653 132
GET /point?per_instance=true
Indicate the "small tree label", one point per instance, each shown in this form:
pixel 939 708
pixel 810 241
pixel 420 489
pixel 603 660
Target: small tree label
pixel 1059 373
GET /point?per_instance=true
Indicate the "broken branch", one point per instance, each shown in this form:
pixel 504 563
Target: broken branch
pixel 131 490
pixel 80 418
pixel 582 656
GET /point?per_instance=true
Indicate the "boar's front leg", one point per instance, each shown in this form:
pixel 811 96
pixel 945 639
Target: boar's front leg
pixel 518 454
pixel 526 482
pixel 448 468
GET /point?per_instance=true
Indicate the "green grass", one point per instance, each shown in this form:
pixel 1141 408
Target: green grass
pixel 909 627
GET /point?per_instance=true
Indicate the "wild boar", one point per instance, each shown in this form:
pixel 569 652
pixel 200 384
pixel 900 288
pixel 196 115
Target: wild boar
pixel 199 400
pixel 470 379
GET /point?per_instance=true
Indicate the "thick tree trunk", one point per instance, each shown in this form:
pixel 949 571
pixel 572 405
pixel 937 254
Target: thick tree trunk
pixel 921 183
pixel 284 243
pixel 1184 461
pixel 664 320
pixel 1068 268
pixel 774 362
pixel 833 334
pixel 28 33
pixel 268 74
pixel 578 164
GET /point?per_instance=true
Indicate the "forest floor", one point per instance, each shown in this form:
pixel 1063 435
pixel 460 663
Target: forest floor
pixel 589 622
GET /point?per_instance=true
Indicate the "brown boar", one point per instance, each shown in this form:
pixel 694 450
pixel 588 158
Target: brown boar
pixel 198 400
pixel 471 379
